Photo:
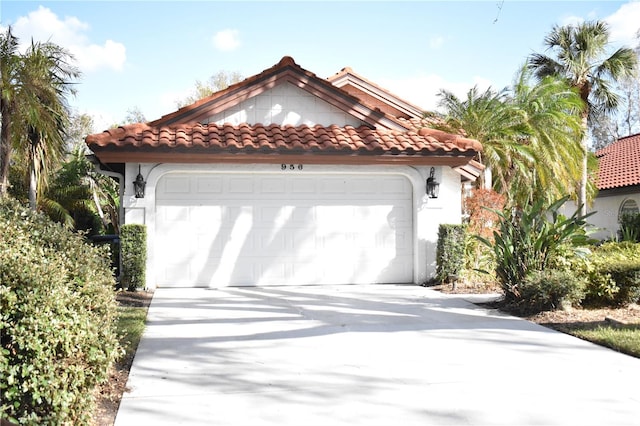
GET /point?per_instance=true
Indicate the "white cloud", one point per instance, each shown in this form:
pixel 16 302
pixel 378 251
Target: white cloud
pixel 571 20
pixel 436 42
pixel 422 90
pixel 624 23
pixel 70 33
pixel 226 40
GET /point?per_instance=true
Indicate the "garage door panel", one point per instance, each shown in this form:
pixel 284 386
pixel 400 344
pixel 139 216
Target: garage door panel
pixel 280 230
pixel 209 185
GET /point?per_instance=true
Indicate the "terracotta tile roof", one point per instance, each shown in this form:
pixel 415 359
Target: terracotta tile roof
pixel 384 138
pixel 619 163
pixel 281 139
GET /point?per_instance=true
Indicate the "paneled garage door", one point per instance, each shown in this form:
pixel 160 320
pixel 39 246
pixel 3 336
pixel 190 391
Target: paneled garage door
pixel 217 230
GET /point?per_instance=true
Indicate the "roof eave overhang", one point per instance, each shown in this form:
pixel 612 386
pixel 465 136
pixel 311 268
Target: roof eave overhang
pixel 176 155
pixel 620 190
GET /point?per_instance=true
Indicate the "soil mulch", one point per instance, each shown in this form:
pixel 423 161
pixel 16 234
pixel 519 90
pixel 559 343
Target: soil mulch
pixel 110 393
pixel 561 320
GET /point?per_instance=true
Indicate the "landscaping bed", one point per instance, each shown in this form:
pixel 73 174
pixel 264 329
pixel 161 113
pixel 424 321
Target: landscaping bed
pixel 132 306
pixel 616 328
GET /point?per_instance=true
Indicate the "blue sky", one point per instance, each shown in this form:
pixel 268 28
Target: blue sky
pixel 148 54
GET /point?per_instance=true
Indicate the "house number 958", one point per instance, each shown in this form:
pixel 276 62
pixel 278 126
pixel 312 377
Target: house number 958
pixel 291 166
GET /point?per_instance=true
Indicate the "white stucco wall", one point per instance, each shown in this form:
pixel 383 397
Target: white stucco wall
pixel 285 104
pixel 604 221
pixel 427 215
pixel 606 217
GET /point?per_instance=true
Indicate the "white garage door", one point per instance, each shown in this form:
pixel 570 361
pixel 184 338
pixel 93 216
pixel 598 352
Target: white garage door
pixel 216 230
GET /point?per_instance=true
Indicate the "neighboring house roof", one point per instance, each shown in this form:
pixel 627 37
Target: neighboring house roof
pixel 373 94
pixel 619 163
pixel 385 137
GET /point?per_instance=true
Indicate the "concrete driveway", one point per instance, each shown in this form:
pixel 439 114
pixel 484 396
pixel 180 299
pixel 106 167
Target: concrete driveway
pixel 365 355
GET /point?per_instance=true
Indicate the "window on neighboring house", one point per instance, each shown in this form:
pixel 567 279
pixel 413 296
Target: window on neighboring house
pixel 628 208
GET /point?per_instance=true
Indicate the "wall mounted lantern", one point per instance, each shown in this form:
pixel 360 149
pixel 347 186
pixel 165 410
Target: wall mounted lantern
pixel 139 184
pixel 433 186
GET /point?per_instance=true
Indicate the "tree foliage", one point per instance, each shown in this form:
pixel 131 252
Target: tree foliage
pixel 530 135
pixel 35 115
pixel 582 59
pixel 607 128
pixel 218 81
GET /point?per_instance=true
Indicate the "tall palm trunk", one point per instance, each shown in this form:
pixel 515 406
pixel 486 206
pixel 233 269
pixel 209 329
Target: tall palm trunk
pixel 33 184
pixel 5 147
pixel 584 178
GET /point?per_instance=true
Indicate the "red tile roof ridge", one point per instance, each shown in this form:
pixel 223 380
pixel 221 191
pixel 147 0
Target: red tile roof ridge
pixel 190 112
pixel 457 140
pixel 286 61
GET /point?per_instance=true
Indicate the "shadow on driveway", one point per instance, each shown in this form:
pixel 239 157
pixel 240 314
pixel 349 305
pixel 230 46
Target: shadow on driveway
pixel 365 355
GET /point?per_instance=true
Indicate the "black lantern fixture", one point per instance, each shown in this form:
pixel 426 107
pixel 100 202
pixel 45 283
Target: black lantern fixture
pixel 433 186
pixel 139 184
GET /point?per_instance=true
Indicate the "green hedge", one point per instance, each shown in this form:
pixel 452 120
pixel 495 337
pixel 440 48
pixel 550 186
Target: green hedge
pixel 133 249
pixel 614 275
pixel 450 251
pixel 57 320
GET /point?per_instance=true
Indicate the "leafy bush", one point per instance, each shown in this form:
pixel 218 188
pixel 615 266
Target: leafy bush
pixel 551 289
pixel 529 239
pixel 133 249
pixel 450 251
pixel 630 228
pixel 480 208
pixel 57 320
pixel 614 275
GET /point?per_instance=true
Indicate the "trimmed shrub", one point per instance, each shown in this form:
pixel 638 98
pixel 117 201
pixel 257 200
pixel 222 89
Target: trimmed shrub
pixel 133 249
pixel 614 275
pixel 551 289
pixel 450 251
pixel 57 320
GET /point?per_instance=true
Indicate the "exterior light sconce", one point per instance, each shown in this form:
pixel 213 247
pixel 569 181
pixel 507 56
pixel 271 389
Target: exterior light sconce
pixel 433 186
pixel 139 184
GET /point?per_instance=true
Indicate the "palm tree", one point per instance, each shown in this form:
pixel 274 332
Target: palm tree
pixel 484 116
pixel 34 100
pixel 527 132
pixel 9 70
pixel 549 124
pixel 46 74
pixel 581 59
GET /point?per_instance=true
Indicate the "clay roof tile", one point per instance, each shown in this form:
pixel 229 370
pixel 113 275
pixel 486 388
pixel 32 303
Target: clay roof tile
pixel 619 163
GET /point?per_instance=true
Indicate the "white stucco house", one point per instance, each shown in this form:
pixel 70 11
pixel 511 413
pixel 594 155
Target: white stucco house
pixel 618 183
pixel 287 178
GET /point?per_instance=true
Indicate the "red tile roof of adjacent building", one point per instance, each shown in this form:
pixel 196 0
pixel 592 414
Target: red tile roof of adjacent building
pixel 619 163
